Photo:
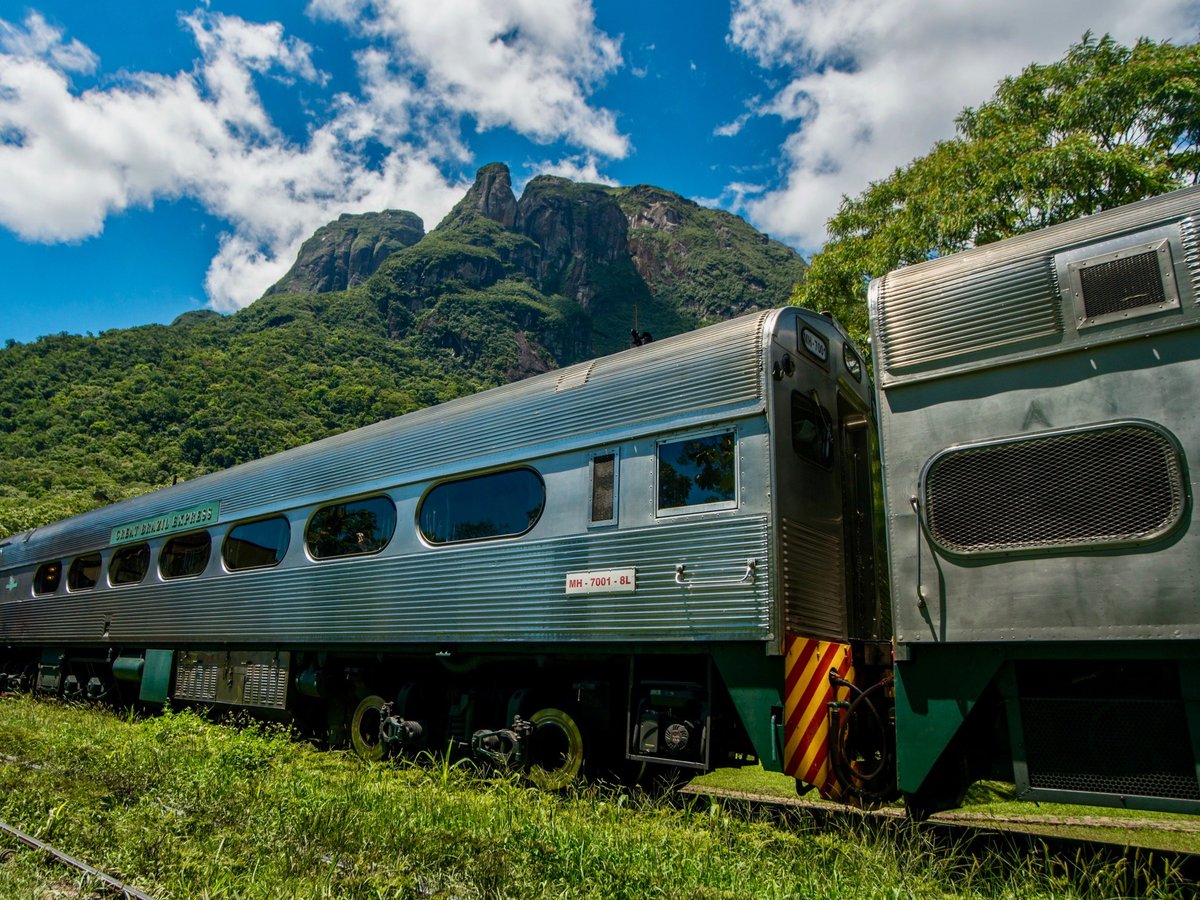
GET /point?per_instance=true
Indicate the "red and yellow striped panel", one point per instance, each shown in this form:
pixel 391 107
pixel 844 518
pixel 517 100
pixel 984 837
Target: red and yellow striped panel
pixel 806 710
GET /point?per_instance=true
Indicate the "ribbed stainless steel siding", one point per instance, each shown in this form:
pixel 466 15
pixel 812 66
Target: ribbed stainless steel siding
pixel 924 320
pixel 715 368
pixel 979 304
pixel 501 591
pixel 1191 251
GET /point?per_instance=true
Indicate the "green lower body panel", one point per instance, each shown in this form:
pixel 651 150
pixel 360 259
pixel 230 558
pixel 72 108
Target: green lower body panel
pixel 755 682
pixel 935 691
pixel 1108 723
pixel 156 676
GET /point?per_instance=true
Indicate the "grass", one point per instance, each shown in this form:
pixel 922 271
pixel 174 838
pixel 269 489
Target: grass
pixel 1173 832
pixel 180 807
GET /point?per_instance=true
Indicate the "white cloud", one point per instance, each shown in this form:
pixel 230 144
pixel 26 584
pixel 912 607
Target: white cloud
pixel 875 83
pixel 68 160
pixel 71 158
pixel 582 168
pixel 529 65
pixel 734 128
pixel 39 40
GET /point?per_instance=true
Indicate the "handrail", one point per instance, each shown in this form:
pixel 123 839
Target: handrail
pixel 747 577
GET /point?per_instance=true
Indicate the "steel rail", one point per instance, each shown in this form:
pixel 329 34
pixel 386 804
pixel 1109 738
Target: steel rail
pixel 983 837
pixel 30 841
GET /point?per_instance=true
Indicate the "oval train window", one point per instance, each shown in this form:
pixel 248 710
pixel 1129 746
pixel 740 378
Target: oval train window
pixel 48 575
pixel 256 545
pixel 501 504
pixel 84 572
pixel 185 555
pixel 129 564
pixel 351 528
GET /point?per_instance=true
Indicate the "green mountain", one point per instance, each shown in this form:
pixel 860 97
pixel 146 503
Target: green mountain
pixel 375 319
pixel 347 252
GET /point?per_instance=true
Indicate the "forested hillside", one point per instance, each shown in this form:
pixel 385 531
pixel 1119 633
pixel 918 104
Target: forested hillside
pixel 501 289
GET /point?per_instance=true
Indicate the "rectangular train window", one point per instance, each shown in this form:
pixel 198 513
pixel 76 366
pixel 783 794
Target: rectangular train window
pixel 604 488
pixel 697 473
pixel 812 429
pixel 1112 484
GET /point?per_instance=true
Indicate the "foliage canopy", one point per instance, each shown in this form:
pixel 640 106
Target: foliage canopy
pixel 1105 125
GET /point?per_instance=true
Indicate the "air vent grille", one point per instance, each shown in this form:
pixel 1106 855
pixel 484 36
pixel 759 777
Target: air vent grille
pixel 1107 485
pixel 1135 281
pixel 196 679
pixel 1121 285
pixel 1109 746
pixel 265 685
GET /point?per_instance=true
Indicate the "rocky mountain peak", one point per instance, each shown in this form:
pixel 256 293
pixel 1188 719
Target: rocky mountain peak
pixel 564 273
pixel 491 196
pixel 347 251
pixel 580 229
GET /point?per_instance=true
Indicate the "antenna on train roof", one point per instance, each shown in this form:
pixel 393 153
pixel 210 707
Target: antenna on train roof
pixel 638 338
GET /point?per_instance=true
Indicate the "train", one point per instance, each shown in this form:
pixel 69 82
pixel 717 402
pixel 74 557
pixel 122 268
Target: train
pixel 971 557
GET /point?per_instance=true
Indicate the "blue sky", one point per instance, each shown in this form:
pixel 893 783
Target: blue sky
pixel 157 158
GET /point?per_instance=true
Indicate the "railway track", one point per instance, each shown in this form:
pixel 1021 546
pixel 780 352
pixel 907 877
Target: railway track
pixel 115 887
pixel 1142 843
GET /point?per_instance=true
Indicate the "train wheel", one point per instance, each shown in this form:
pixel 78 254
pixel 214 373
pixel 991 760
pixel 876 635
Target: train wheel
pixel 364 728
pixel 556 749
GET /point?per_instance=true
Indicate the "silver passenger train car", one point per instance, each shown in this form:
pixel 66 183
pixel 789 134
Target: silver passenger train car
pixel 719 548
pixel 613 564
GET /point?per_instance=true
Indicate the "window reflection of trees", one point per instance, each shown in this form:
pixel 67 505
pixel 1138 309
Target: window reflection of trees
pixel 346 529
pixel 500 504
pixel 256 544
pixel 696 471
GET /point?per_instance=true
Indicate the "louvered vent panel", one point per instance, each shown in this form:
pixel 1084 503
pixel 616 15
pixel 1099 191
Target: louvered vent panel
pixel 814 595
pixel 927 316
pixel 265 685
pixel 196 679
pixel 1108 485
pixel 1190 241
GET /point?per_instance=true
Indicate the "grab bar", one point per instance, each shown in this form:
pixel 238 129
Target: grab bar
pixel 747 576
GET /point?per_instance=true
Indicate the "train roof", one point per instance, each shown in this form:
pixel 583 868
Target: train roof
pixel 709 374
pixel 1013 299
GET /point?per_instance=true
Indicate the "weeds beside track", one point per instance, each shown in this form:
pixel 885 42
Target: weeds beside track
pixel 182 807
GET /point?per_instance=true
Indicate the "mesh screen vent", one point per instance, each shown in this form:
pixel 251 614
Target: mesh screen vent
pixel 603 483
pixel 1109 746
pixel 1123 284
pixel 1116 484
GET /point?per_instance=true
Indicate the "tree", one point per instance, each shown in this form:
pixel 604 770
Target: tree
pixel 1103 126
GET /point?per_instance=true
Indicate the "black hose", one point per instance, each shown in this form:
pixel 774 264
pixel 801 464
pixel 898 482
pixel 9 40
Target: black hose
pixel 844 768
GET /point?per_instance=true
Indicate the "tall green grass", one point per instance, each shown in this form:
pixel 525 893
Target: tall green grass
pixel 181 807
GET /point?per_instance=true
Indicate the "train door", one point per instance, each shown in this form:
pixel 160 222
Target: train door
pixel 809 536
pixel 826 564
pixel 867 608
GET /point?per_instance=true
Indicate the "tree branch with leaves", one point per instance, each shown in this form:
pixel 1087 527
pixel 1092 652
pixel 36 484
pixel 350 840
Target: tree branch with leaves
pixel 1104 126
